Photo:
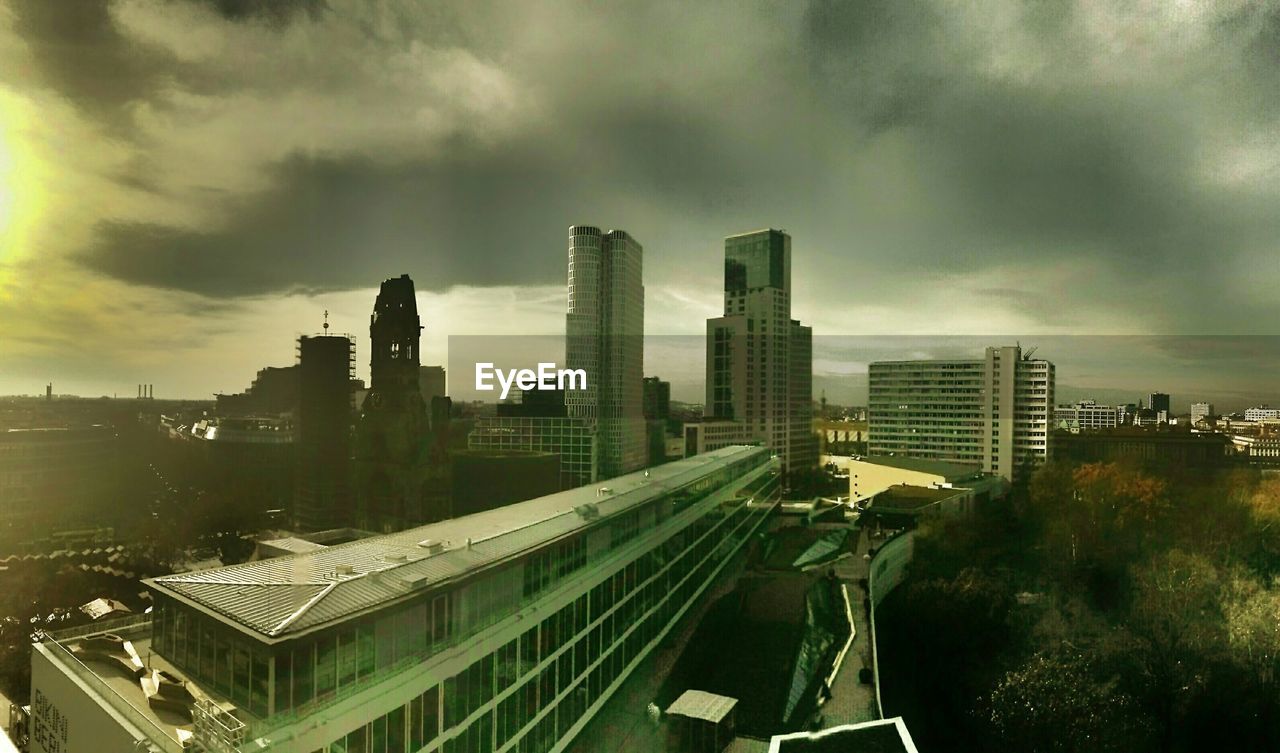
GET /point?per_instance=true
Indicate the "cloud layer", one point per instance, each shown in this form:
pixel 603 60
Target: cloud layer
pixel 1068 167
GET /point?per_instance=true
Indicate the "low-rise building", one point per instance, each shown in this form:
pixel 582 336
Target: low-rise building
pixel 1087 415
pixel 712 434
pixel 500 631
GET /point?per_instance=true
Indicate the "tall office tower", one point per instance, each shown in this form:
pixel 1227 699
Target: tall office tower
pixel 657 399
pixel 505 630
pixel 392 442
pixel 1200 412
pixel 992 412
pixel 1158 402
pixel 760 360
pixel 322 496
pixel 605 338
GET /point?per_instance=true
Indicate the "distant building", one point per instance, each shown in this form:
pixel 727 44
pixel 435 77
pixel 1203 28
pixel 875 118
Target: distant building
pixel 1201 412
pixel 1182 448
pixel 489 479
pixel 572 440
pixel 59 478
pixel 604 331
pixel 273 391
pixel 323 494
pixel 712 434
pixel 431 383
pixel 1087 415
pixel 992 413
pixel 249 462
pixel 393 460
pixel 847 437
pixel 759 359
pixel 1261 413
pixel 535 404
pixel 657 399
pixel 1158 403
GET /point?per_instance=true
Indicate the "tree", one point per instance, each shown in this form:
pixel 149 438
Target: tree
pixel 1252 614
pixel 1176 615
pixel 1056 702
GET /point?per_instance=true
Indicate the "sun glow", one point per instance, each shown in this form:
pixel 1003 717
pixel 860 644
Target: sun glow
pixel 21 192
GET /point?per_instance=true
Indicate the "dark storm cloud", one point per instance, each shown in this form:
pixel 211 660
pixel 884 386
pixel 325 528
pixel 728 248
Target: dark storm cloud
pixel 79 52
pixel 346 223
pixel 903 144
pixel 276 11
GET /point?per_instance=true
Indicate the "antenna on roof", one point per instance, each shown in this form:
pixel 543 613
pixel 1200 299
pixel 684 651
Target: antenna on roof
pixel 326 321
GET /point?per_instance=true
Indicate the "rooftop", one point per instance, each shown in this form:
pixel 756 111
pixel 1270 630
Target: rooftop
pixel 279 598
pixel 910 498
pixel 699 704
pixel 950 471
pixel 881 736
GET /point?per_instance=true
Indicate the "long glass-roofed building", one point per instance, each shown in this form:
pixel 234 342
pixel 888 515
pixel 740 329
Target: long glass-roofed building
pixel 500 631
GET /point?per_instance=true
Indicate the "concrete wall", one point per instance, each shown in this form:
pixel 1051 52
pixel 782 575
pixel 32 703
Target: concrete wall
pixel 869 479
pixel 887 571
pixel 65 718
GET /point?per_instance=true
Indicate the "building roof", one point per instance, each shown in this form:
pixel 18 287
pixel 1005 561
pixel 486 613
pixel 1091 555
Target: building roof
pixel 291 544
pixel 279 598
pixel 949 471
pixel 908 498
pixel 699 704
pixel 880 736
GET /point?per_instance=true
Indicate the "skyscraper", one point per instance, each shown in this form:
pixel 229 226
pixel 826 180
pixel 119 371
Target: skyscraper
pixel 759 359
pixel 392 460
pixel 1158 402
pixel 605 338
pixel 992 412
pixel 1200 412
pixel 326 366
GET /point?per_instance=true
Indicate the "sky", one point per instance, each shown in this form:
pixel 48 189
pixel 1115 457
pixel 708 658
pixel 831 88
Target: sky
pixel 187 185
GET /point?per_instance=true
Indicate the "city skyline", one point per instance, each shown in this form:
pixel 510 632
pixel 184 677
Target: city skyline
pixel 166 189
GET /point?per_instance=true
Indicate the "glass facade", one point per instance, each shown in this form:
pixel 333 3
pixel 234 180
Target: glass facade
pixel 534 686
pixel 529 693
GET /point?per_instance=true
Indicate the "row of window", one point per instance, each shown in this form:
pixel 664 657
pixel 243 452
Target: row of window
pixel 570 659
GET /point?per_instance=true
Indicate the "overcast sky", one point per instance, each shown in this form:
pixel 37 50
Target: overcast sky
pixel 186 185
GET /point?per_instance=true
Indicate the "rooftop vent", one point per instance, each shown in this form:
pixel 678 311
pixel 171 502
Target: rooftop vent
pixel 432 546
pixel 343 570
pixel 604 490
pixel 396 557
pixel 588 511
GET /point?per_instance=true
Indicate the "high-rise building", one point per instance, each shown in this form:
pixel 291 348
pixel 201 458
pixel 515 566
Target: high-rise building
pixel 605 339
pixel 323 493
pixel 759 359
pixel 1158 402
pixel 657 399
pixel 393 460
pixel 992 412
pixel 1200 412
pixel 500 631
pixel 657 411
